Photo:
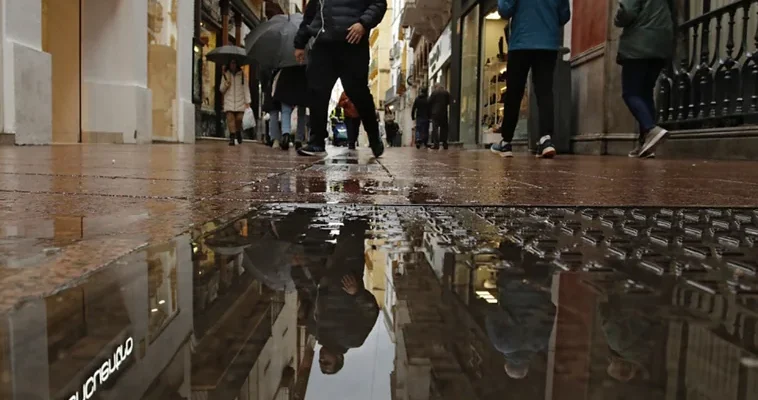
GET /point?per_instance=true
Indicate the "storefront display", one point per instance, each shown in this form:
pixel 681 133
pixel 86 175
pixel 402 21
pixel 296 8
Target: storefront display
pixel 469 74
pixel 493 67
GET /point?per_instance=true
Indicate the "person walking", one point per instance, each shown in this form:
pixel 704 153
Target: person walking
pixel 646 44
pixel 352 120
pixel 340 51
pixel 290 89
pixel 438 103
pixel 534 40
pixel 236 100
pixel 269 107
pixel 420 114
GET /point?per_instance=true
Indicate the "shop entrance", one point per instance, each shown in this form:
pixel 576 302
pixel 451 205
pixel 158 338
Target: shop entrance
pixel 61 38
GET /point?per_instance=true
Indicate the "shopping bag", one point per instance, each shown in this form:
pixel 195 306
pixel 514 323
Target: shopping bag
pixel 248 120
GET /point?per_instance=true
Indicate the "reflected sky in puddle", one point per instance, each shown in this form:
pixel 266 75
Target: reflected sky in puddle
pixel 414 302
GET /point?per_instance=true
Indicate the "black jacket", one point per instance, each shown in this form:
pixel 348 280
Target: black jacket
pixel 269 104
pixel 421 108
pixel 336 18
pixel 438 102
pixel 292 86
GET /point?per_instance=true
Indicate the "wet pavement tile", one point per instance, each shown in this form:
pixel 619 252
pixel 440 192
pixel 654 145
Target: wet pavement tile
pixel 359 301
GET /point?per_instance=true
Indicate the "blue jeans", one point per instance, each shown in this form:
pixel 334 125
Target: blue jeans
pixel 422 131
pixel 638 78
pixel 286 119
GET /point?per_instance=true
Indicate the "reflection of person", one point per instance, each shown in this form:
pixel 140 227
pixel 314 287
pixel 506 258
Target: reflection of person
pixel 536 28
pixel 631 331
pixel 645 44
pixel 236 100
pixel 523 323
pixel 352 120
pixel 340 51
pixel 344 312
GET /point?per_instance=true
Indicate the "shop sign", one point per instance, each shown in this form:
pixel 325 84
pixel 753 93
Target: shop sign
pixel 105 372
pixel 441 51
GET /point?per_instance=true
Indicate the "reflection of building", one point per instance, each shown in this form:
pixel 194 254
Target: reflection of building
pixel 58 347
pixel 246 335
pixel 84 71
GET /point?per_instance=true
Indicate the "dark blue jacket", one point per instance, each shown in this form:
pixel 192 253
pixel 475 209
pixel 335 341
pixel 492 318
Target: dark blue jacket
pixel 328 20
pixel 535 24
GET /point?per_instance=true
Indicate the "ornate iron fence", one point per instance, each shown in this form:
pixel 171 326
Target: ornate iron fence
pixel 713 81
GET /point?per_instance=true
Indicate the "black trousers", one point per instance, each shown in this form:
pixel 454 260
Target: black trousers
pixel 440 129
pixel 542 65
pixel 328 62
pixel 353 126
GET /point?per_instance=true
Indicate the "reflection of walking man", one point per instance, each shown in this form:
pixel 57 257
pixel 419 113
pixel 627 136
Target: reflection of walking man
pixel 535 38
pixel 340 51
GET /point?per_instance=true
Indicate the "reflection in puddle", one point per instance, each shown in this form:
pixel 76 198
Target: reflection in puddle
pixel 389 302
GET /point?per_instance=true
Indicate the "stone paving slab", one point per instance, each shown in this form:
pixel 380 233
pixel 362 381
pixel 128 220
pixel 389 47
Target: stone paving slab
pixel 133 195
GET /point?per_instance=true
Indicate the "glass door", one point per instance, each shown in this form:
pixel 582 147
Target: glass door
pixel 469 76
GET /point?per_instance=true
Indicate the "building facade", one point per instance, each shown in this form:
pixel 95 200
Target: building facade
pixel 96 71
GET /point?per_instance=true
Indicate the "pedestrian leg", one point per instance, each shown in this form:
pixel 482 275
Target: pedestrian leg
pixel 230 123
pixel 274 129
pixel 633 76
pixel 435 128
pixel 322 75
pixel 286 126
pixel 543 71
pixel 519 62
pixel 444 130
pixel 354 62
pixel 302 121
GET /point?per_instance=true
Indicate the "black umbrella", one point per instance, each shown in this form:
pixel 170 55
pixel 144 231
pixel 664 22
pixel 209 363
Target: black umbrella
pixel 225 54
pixel 272 44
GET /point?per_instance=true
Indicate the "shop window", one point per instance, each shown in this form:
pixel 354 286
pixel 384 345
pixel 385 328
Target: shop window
pixel 469 81
pixel 208 38
pixel 494 60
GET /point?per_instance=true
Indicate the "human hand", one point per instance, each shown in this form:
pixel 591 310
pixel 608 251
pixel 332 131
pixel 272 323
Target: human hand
pixel 349 285
pixel 355 33
pixel 300 55
pixel 247 105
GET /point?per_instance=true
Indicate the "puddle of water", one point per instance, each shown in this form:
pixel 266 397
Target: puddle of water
pixel 370 302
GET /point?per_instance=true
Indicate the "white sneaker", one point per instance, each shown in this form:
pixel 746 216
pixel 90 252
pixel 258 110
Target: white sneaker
pixel 275 145
pixel 652 140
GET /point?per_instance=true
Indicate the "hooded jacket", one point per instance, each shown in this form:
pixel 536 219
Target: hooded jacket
pixel 421 109
pixel 438 103
pixel 328 20
pixel 648 29
pixel 535 24
pixel 235 90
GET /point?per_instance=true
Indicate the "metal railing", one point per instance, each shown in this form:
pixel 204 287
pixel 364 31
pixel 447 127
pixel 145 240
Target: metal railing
pixel 713 81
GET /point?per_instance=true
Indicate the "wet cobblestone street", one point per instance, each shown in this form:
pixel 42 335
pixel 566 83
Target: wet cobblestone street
pixel 576 278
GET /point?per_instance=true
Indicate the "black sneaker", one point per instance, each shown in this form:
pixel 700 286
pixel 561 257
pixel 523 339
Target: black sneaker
pixel 298 145
pixel 503 148
pixel 546 149
pixel 312 151
pixel 232 140
pixel 285 143
pixel 444 146
pixel 351 146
